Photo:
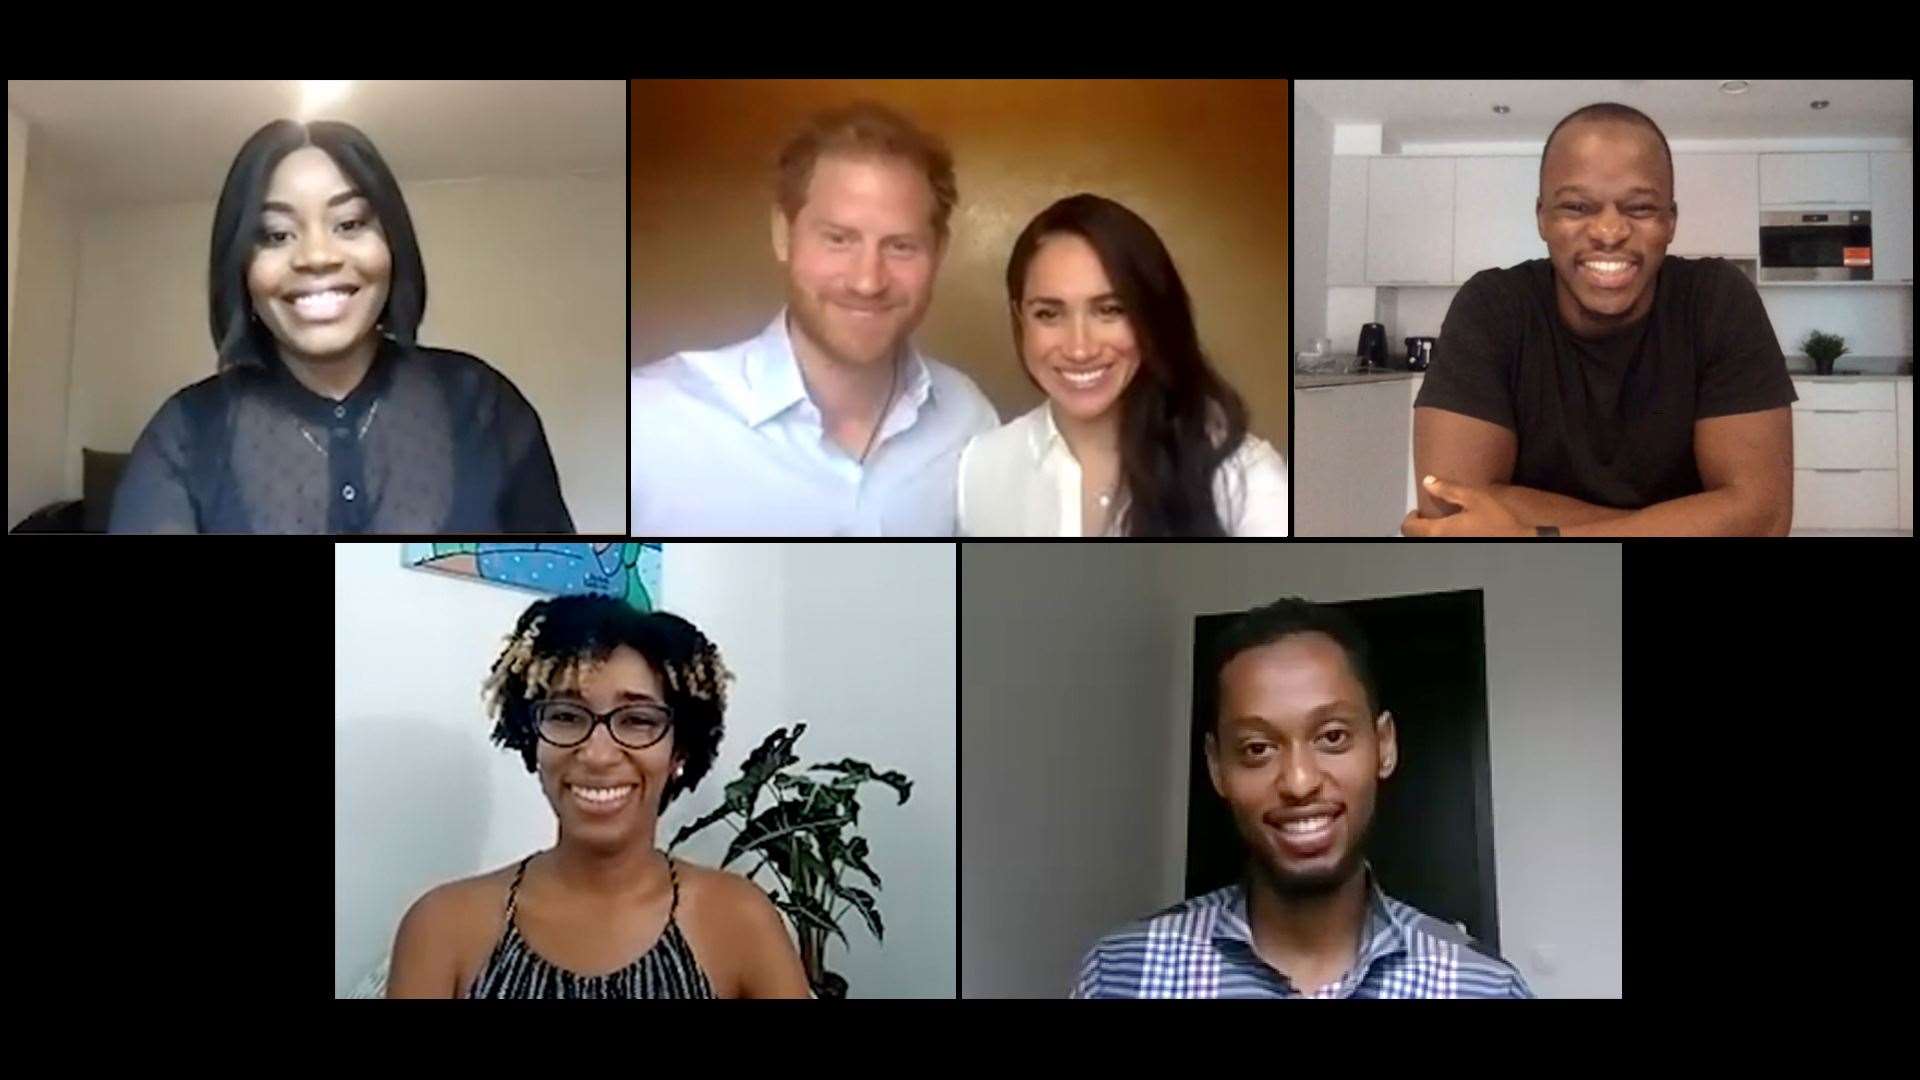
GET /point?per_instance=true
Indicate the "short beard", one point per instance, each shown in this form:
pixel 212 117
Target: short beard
pixel 1313 886
pixel 803 318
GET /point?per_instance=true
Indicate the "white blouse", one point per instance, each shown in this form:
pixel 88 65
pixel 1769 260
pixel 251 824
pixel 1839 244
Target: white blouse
pixel 1022 480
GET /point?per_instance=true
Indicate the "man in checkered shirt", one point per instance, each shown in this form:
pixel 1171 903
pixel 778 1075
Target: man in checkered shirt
pixel 1298 748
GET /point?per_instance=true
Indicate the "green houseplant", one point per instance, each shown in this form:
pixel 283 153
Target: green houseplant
pixel 1825 349
pixel 804 838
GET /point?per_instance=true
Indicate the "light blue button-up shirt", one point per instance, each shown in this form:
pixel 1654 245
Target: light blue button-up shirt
pixel 727 443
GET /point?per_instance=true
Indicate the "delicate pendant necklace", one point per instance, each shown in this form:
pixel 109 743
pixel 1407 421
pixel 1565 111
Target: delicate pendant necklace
pixel 364 425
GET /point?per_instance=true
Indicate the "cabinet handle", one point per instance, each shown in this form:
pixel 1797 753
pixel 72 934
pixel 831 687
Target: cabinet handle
pixel 1848 472
pixel 1836 412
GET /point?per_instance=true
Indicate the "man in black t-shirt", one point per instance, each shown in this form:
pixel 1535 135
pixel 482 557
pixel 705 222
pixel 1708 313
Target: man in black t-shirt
pixel 1606 390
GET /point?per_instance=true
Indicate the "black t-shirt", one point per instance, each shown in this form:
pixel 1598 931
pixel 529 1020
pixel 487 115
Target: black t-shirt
pixel 431 441
pixel 1608 422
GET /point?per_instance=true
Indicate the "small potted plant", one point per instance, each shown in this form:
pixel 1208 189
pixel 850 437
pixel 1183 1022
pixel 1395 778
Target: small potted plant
pixel 1825 349
pixel 805 838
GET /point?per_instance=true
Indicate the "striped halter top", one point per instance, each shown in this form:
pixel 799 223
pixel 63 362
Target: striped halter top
pixel 667 970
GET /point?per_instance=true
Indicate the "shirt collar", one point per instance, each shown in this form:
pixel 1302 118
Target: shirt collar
pixel 1382 934
pixel 773 383
pixel 1043 435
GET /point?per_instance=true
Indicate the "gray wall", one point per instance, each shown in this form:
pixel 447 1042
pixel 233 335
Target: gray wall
pixel 1119 807
pixel 1065 663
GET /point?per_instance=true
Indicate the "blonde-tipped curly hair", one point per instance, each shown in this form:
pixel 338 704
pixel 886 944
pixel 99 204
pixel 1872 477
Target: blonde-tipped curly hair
pixel 554 639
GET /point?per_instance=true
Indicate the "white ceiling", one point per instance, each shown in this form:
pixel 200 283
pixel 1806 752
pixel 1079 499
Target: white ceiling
pixel 164 141
pixel 1462 111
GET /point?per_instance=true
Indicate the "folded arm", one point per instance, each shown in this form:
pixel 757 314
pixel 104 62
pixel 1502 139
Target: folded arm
pixel 1745 463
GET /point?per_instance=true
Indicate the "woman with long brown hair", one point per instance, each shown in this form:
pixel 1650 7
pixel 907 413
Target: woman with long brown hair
pixel 1139 435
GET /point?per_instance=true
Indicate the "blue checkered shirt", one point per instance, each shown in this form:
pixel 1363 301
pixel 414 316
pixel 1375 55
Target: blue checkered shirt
pixel 1203 948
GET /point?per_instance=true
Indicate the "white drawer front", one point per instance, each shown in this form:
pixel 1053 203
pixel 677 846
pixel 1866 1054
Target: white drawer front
pixel 1844 440
pixel 1840 395
pixel 1846 500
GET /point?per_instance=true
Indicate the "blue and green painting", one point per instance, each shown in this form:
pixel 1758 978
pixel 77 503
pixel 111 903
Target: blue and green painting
pixel 629 571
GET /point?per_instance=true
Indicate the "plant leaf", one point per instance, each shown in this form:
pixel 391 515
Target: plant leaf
pixel 839 852
pixel 859 772
pixel 863 901
pixel 773 754
pixel 776 824
pixel 688 830
pixel 805 909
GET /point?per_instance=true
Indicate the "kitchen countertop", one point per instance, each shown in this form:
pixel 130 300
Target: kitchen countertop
pixel 1853 366
pixel 1309 382
pixel 1845 377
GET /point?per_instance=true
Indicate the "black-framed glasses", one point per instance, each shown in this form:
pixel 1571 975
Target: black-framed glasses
pixel 569 723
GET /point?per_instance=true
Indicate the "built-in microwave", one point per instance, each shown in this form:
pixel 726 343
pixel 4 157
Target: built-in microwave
pixel 1816 245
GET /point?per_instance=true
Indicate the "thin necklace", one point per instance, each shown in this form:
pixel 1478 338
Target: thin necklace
pixel 364 425
pixel 893 384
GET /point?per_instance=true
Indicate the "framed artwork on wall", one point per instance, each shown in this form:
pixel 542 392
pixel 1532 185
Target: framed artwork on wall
pixel 630 570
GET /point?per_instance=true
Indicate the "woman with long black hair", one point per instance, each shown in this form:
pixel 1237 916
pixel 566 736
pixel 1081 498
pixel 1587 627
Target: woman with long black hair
pixel 1139 435
pixel 325 414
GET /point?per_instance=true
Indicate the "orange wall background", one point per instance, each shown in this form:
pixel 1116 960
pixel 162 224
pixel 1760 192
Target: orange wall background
pixel 1204 162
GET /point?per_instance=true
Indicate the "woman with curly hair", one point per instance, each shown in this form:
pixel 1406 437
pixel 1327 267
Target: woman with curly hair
pixel 617 712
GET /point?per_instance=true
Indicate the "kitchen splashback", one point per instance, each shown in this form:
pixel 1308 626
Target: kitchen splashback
pixel 1876 321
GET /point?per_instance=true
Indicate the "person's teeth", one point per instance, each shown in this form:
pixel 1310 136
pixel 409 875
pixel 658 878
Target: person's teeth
pixel 1307 825
pixel 321 303
pixel 1083 378
pixel 602 794
pixel 1607 267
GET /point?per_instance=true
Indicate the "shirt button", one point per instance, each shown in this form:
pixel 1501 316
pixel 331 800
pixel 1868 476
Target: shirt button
pixel 341 432
pixel 339 412
pixel 347 493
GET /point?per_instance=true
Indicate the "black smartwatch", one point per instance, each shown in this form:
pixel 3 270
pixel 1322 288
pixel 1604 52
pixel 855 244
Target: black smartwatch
pixel 1546 530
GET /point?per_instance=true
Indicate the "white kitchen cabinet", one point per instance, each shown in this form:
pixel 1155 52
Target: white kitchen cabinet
pixel 1347 223
pixel 1350 459
pixel 1820 179
pixel 1846 455
pixel 1893 217
pixel 1845 499
pixel 1844 440
pixel 1904 393
pixel 1410 221
pixel 1719 198
pixel 1863 395
pixel 1493 217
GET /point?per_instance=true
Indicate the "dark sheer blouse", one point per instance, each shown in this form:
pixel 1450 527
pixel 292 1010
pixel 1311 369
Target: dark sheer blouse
pixel 431 441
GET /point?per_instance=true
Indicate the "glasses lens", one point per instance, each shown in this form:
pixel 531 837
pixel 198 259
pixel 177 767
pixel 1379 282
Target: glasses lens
pixel 640 726
pixel 563 723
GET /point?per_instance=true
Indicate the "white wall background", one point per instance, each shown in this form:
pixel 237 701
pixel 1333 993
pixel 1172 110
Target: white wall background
pixel 856 640
pixel 527 273
pixel 40 333
pixel 1077 680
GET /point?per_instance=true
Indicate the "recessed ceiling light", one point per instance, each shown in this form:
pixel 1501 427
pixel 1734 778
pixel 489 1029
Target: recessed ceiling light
pixel 1502 109
pixel 1822 103
pixel 319 94
pixel 1735 86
